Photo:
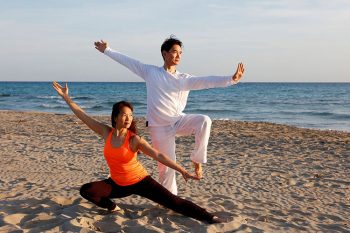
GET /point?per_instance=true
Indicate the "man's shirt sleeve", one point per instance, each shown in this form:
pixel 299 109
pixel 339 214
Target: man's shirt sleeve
pixel 133 65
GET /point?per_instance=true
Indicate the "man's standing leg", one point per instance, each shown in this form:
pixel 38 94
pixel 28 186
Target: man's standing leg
pixel 163 139
pixel 200 126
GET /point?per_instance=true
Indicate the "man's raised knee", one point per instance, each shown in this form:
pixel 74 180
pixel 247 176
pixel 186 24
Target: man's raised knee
pixel 206 121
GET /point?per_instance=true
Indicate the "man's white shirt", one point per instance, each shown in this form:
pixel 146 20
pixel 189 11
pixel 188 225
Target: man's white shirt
pixel 167 93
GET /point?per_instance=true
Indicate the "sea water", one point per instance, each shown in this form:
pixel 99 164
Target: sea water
pixel 308 105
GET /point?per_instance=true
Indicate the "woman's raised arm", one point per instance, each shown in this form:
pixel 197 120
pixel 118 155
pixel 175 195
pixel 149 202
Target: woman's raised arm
pixel 93 124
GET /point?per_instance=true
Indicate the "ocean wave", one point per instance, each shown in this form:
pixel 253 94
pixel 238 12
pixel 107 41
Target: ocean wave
pixel 97 107
pixel 53 106
pixel 82 98
pixel 138 103
pixel 209 111
pixel 332 115
pixel 48 97
pixel 5 95
pixel 338 116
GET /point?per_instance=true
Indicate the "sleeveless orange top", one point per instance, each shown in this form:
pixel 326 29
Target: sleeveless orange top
pixel 123 165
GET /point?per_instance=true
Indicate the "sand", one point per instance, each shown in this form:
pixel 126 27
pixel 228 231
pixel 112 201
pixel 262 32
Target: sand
pixel 261 177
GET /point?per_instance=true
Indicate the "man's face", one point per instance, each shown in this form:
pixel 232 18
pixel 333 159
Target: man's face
pixel 173 57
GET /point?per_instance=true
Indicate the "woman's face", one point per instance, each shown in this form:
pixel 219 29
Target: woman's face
pixel 124 118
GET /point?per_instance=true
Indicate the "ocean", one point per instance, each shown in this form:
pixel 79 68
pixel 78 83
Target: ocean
pixel 323 106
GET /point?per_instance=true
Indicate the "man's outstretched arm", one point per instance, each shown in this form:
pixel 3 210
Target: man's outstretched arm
pixel 132 64
pixel 205 82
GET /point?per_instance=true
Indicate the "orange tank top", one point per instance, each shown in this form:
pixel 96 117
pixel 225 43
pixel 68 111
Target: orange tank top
pixel 123 165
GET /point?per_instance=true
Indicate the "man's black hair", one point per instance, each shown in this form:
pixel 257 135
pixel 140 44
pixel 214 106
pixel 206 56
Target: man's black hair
pixel 169 43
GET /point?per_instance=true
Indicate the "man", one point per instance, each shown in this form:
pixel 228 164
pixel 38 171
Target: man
pixel 167 92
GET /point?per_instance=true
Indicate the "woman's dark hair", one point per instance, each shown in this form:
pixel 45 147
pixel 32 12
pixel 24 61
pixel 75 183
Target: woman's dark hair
pixel 117 107
pixel 169 43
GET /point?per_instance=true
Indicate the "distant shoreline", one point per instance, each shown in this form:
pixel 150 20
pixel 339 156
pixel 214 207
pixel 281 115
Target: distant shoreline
pixel 143 119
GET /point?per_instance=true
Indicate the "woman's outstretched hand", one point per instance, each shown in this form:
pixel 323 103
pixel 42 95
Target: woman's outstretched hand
pixel 186 175
pixel 239 73
pixel 62 91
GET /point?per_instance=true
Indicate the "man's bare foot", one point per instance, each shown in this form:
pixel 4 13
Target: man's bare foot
pixel 198 170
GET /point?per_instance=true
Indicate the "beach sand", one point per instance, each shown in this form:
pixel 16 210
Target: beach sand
pixel 261 177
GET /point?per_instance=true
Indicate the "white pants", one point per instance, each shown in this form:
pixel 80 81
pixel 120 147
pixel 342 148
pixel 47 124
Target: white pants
pixel 163 139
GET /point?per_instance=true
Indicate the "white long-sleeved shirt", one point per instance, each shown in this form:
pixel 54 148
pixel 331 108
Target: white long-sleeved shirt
pixel 166 93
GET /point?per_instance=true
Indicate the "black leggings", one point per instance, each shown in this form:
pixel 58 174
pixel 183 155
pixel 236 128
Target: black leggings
pixel 100 192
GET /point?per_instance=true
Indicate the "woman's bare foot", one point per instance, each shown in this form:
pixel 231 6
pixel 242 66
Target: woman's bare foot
pixel 116 208
pixel 216 219
pixel 198 170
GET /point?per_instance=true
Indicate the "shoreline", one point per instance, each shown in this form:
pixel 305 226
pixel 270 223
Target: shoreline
pixel 261 176
pixel 142 118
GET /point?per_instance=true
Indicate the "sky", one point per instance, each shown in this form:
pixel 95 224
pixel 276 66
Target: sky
pixel 277 40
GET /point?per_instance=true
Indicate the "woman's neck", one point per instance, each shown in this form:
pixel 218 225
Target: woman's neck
pixel 120 132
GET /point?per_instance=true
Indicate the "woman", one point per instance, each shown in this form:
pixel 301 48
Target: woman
pixel 127 175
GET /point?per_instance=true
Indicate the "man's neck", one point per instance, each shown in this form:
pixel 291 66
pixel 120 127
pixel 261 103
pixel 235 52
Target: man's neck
pixel 170 69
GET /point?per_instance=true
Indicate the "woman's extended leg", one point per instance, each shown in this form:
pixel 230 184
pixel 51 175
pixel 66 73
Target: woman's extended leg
pixel 154 191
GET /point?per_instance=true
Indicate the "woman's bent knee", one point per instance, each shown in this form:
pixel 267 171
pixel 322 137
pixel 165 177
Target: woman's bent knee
pixel 84 190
